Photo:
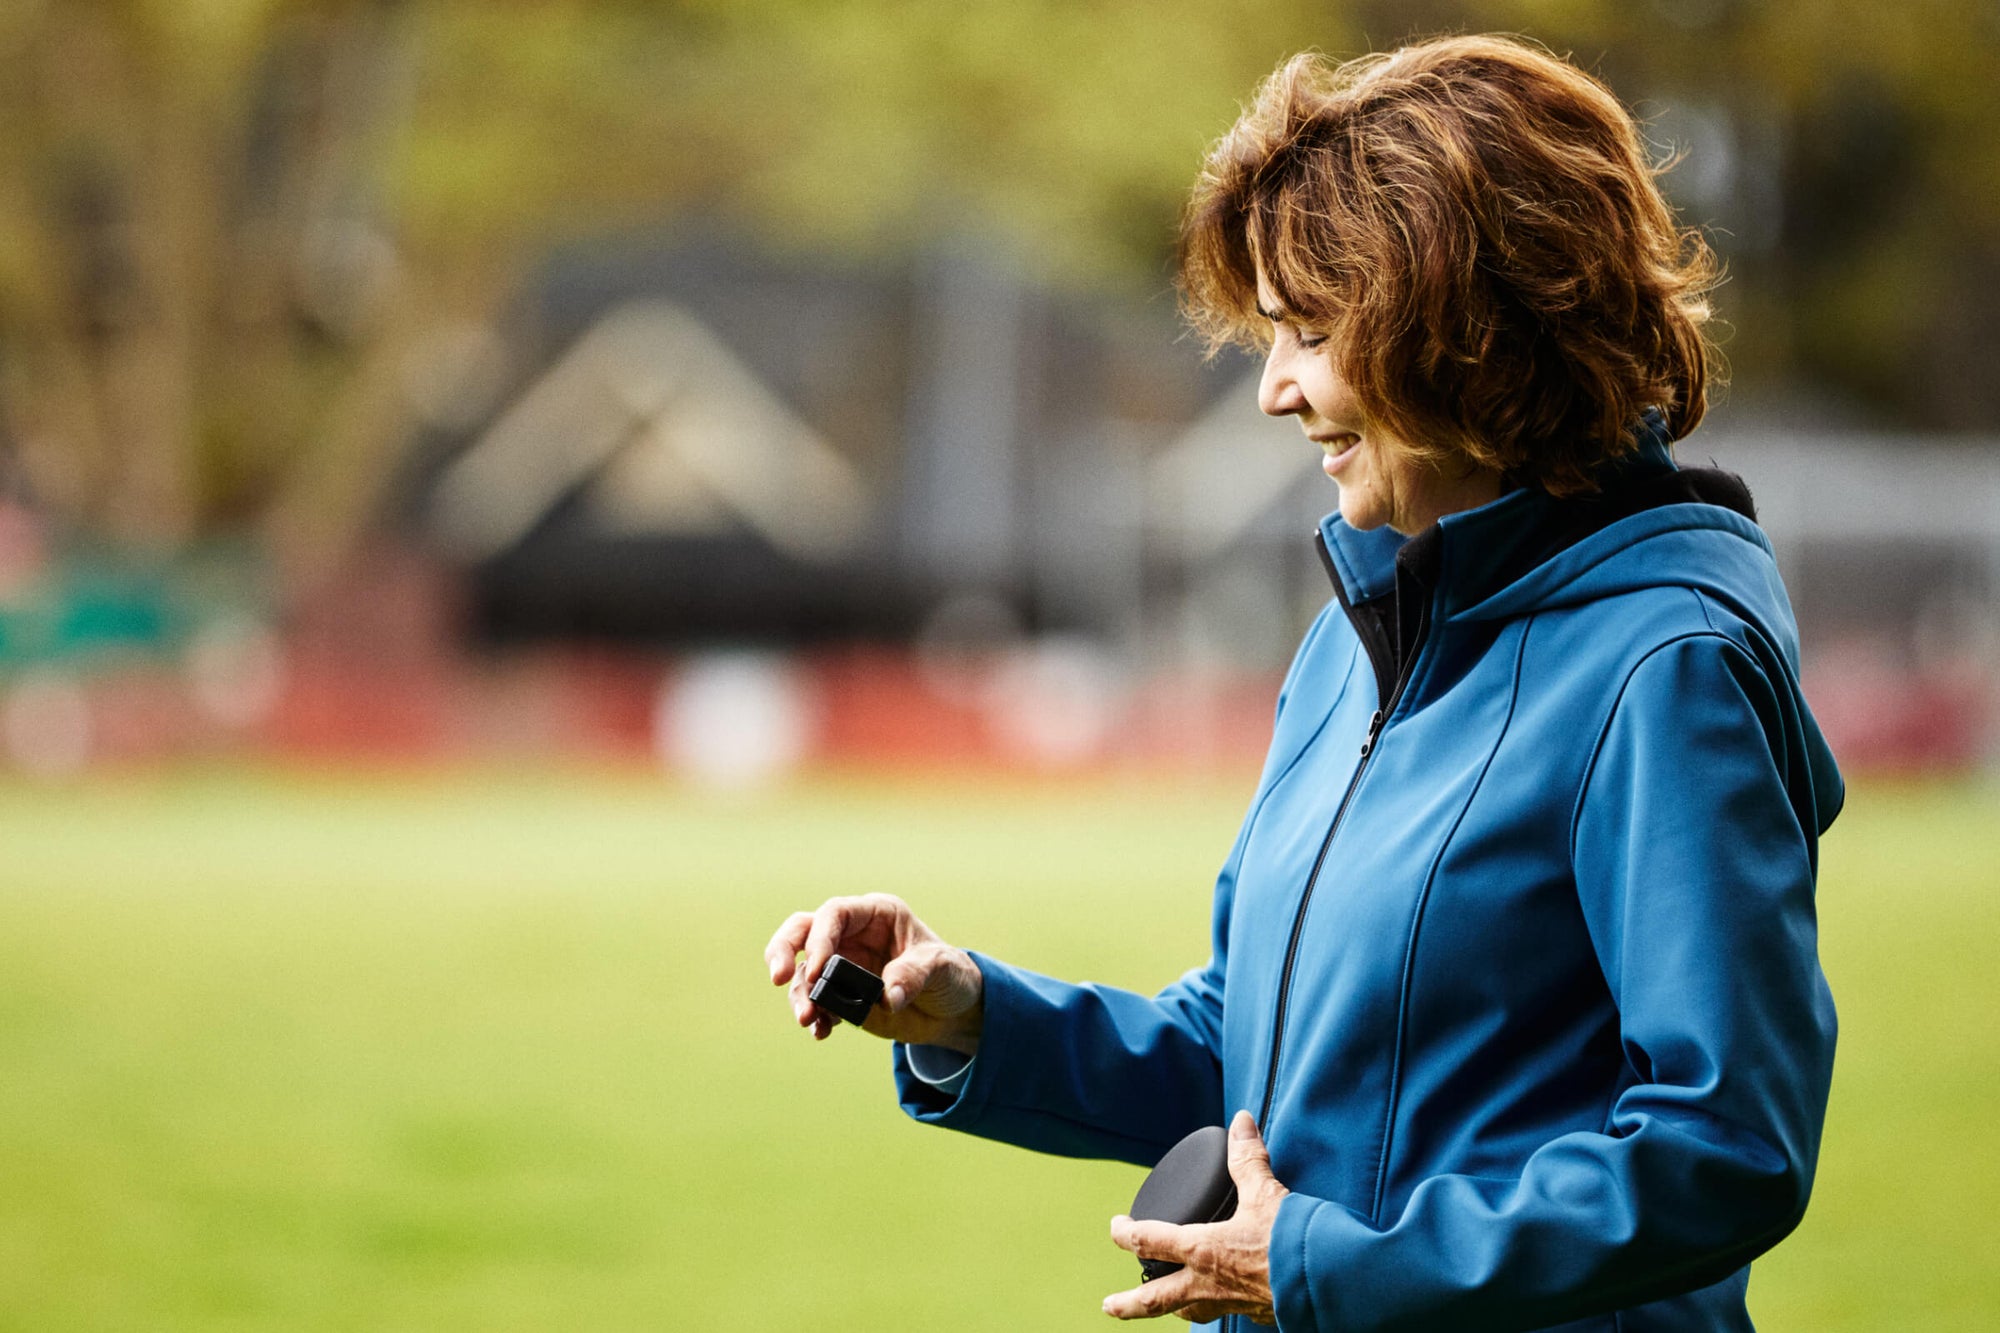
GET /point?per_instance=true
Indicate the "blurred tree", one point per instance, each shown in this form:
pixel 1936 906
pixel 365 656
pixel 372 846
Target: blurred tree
pixel 240 241
pixel 196 272
pixel 244 242
pixel 1845 156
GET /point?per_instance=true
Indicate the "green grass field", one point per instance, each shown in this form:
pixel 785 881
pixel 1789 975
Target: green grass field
pixel 494 1052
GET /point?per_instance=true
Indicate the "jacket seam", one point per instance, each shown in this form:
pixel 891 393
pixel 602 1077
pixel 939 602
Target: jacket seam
pixel 1611 714
pixel 1416 928
pixel 1613 1094
pixel 1312 637
pixel 1305 1262
pixel 1702 602
pixel 1257 810
pixel 1347 677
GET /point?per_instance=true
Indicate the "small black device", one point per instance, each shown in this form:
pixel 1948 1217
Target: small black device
pixel 846 990
pixel 1191 1184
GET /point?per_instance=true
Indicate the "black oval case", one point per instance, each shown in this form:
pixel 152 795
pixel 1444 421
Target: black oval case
pixel 1190 1184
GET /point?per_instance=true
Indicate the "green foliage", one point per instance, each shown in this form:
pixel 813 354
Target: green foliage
pixel 227 227
pixel 497 1053
pixel 1074 128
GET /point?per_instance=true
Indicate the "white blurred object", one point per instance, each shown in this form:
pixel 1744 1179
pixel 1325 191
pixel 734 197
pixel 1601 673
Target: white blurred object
pixel 1057 702
pixel 735 720
pixel 236 671
pixel 46 723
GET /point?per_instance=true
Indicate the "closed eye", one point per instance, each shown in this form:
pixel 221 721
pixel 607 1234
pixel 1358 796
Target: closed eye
pixel 1282 319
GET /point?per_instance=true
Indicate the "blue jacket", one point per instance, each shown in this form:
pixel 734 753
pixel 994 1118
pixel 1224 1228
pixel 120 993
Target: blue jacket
pixel 1515 955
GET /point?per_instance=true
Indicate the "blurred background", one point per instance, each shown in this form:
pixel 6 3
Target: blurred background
pixel 499 502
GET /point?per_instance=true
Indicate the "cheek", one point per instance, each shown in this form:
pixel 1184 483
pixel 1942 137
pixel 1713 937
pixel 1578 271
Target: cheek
pixel 1399 477
pixel 1373 471
pixel 1323 389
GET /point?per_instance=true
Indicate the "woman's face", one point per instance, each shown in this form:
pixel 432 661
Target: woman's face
pixel 1379 481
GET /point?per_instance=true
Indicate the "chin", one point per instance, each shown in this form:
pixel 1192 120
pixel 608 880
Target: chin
pixel 1357 512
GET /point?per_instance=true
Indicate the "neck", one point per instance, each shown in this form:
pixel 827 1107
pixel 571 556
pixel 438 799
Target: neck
pixel 1452 495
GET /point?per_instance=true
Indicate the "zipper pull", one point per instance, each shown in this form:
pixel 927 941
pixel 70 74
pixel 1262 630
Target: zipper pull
pixel 1374 730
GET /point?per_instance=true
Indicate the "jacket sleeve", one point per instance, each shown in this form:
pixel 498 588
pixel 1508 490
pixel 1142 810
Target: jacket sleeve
pixel 1093 1071
pixel 1693 849
pixel 1086 1070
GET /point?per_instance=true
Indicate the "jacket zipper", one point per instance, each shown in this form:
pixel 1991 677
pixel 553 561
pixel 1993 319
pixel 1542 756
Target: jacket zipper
pixel 1368 744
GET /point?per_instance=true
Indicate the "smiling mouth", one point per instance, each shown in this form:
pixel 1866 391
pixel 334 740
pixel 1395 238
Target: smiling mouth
pixel 1336 446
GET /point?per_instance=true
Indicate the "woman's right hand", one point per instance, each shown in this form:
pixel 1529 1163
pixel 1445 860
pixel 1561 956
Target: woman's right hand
pixel 932 994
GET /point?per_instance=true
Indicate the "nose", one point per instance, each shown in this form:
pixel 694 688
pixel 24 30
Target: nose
pixel 1278 392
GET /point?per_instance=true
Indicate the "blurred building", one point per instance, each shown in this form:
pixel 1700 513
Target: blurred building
pixel 921 510
pixel 705 441
pixel 709 444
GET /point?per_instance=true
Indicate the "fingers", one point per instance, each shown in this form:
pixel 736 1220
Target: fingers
pixel 1153 1299
pixel 1225 1265
pixel 840 918
pixel 1249 1159
pixel 1152 1240
pixel 817 935
pixel 911 973
pixel 905 976
pixel 781 954
pixel 823 940
pixel 874 927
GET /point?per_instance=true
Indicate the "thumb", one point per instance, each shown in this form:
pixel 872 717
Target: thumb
pixel 1249 1159
pixel 907 975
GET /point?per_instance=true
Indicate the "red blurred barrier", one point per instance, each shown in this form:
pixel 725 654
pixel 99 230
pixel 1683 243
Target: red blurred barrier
pixel 372 670
pixel 1880 718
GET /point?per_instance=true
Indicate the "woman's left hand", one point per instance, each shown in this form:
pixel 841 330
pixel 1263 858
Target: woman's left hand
pixel 1227 1265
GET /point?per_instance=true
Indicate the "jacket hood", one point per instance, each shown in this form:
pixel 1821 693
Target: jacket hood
pixel 1652 525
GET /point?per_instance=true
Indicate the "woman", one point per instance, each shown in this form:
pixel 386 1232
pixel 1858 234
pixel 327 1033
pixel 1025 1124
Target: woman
pixel 1514 960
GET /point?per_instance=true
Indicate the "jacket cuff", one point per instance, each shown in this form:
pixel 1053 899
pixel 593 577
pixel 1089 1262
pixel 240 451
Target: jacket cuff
pixel 1291 1292
pixel 958 1101
pixel 1300 1308
pixel 940 1066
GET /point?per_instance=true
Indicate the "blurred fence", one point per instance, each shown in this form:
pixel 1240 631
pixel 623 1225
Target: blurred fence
pixel 1891 549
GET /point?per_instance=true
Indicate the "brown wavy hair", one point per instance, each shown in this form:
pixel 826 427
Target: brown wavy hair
pixel 1476 225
